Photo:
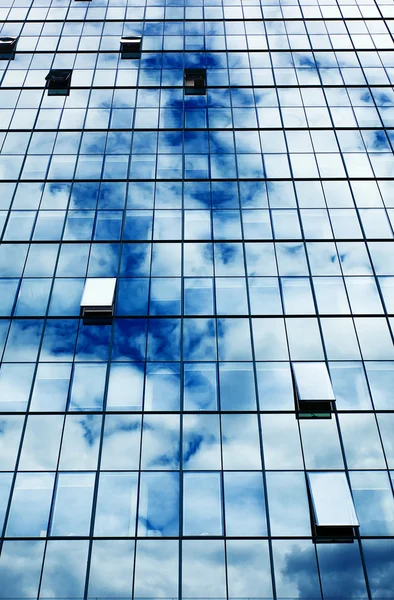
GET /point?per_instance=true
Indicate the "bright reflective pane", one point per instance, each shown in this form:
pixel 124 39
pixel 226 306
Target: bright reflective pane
pixel 331 498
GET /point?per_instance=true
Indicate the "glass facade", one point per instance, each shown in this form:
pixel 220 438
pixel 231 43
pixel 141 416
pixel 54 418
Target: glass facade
pixel 215 436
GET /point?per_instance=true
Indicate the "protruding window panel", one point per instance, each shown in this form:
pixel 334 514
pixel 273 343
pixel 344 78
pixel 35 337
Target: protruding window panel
pixel 313 389
pixel 130 47
pixel 333 514
pixel 98 298
pixel 8 48
pixel 195 81
pixel 58 82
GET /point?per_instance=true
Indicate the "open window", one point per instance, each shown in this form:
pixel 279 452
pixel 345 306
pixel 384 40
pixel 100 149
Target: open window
pixel 313 390
pixel 333 515
pixel 130 47
pixel 98 299
pixel 58 82
pixel 195 81
pixel 8 48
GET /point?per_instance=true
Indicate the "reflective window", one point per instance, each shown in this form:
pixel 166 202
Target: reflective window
pixel 331 500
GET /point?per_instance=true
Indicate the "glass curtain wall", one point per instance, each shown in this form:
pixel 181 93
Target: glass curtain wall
pixel 163 453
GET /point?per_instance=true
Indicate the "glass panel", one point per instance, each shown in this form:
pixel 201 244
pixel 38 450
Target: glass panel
pixel 80 444
pixel 340 566
pixel 203 571
pixel 15 385
pixel 125 387
pixel 289 513
pixel 40 450
pixel 379 560
pixel 162 387
pixel 73 504
pixel 121 442
pixel 63 557
pixel 248 569
pixel 281 442
pixel 240 442
pixel 87 389
pixel 202 504
pixel 237 387
pixel 17 582
pixel 201 442
pixel 10 435
pixel 320 443
pixel 331 499
pixel 116 505
pixel 115 557
pixel 31 503
pixel 244 504
pixel 291 582
pixel 160 442
pixel 312 381
pixel 374 502
pixel 51 386
pixel 156 569
pixel 200 386
pixel 158 505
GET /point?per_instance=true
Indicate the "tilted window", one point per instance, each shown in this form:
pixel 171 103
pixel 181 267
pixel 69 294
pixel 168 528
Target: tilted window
pixel 58 82
pixel 332 509
pixel 195 81
pixel 130 47
pixel 313 389
pixel 8 48
pixel 98 297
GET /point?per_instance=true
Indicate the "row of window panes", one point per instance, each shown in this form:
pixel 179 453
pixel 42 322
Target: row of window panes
pixel 200 25
pixel 201 142
pixel 208 567
pixel 195 9
pixel 165 387
pixel 220 118
pixel 255 259
pixel 244 165
pixel 290 141
pixel 197 225
pixel 301 60
pixel 194 196
pixel 216 42
pixel 273 339
pixel 157 387
pixel 333 97
pixel 199 296
pixel 86 77
pixel 158 504
pixel 201 225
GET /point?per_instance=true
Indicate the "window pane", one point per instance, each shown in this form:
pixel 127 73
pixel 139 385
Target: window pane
pixel 116 505
pixel 158 505
pixel 202 504
pixel 331 499
pixel 312 381
pixel 114 557
pixel 73 504
pixel 31 503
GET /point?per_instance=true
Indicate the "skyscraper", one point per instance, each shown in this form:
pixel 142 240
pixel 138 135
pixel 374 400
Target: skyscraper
pixel 196 299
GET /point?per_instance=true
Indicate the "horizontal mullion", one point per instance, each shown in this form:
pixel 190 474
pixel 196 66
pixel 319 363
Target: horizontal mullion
pixel 195 241
pixel 183 129
pixel 303 316
pixel 215 51
pixel 208 88
pixel 180 413
pixel 191 20
pixel 192 537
